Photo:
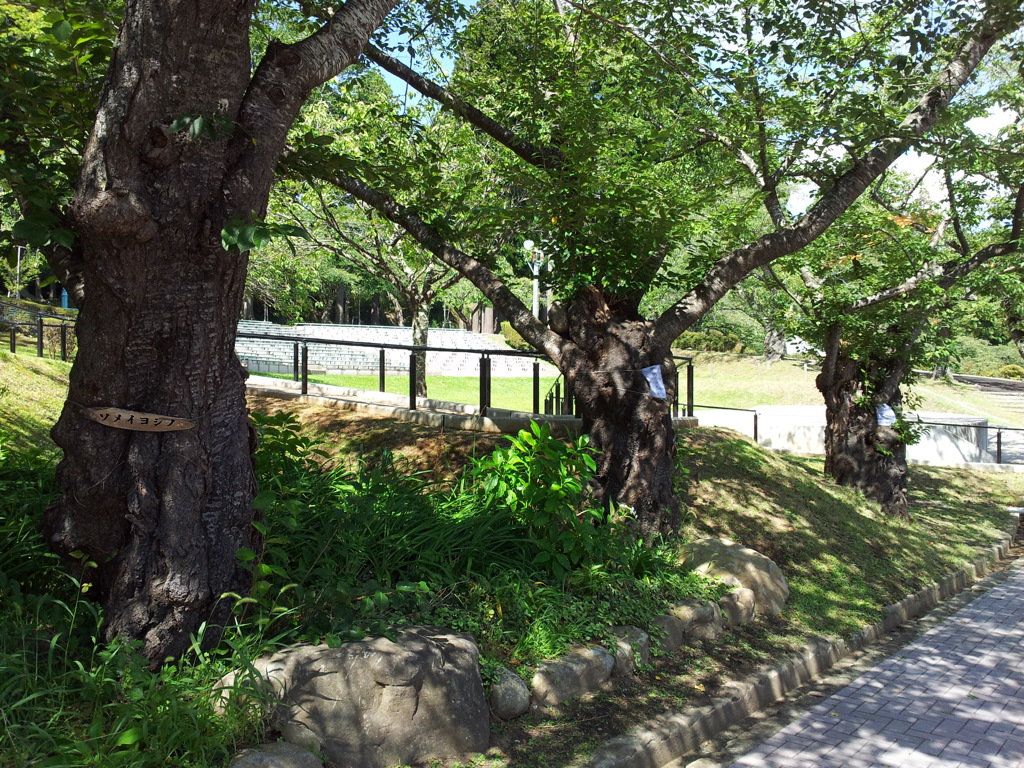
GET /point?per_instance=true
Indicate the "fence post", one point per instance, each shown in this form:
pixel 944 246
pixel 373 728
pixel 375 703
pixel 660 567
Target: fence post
pixel 999 446
pixel 305 368
pixel 63 341
pixel 39 338
pixel 14 341
pixel 485 384
pixel 689 389
pixel 675 393
pixel 755 427
pixel 295 361
pixel 380 369
pixel 412 381
pixel 536 386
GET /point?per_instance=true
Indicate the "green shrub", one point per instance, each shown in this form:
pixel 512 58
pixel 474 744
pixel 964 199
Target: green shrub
pixel 514 339
pixel 541 483
pixel 522 620
pixel 26 487
pixel 978 357
pixel 69 701
pixel 710 341
pixel 1010 372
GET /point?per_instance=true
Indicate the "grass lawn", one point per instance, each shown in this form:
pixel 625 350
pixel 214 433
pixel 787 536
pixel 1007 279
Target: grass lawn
pixel 32 392
pixel 744 381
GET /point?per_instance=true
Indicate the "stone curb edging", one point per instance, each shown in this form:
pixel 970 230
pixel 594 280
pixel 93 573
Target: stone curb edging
pixel 669 737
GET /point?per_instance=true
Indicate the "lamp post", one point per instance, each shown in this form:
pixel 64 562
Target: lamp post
pixel 17 274
pixel 536 261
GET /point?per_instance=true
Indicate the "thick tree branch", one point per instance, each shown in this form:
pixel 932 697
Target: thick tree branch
pixel 531 329
pixel 890 386
pixel 541 157
pixel 847 188
pixel 285 77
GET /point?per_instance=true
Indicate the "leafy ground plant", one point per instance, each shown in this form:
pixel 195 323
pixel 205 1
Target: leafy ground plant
pixel 513 553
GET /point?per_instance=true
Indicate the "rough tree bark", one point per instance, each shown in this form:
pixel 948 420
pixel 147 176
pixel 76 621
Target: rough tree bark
pixel 631 428
pixel 858 452
pixel 161 515
pixel 774 343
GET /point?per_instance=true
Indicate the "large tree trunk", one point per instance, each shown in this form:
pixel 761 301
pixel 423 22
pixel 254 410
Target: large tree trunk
pixel 160 514
pixel 153 521
pixel 630 427
pixel 858 452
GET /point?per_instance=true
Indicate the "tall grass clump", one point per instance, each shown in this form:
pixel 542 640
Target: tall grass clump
pixel 66 699
pixel 515 552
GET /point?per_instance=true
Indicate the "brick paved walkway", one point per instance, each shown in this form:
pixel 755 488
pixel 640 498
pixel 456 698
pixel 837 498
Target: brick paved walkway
pixel 954 698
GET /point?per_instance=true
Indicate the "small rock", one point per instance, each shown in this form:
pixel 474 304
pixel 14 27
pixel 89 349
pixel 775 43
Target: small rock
pixel 279 754
pixel 704 762
pixel 510 696
pixel 670 634
pixel 738 607
pixel 632 644
pixel 701 621
pixel 579 672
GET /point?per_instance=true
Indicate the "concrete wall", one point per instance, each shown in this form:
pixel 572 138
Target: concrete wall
pixel 258 353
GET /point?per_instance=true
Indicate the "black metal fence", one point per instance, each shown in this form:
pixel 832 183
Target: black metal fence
pixel 559 399
pixel 62 335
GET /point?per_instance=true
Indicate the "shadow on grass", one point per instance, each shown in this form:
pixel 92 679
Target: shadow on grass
pixel 842 558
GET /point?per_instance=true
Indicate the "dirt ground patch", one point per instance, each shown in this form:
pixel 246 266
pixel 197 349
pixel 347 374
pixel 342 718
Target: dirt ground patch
pixel 350 435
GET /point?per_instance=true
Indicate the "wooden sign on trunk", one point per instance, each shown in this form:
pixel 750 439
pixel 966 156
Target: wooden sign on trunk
pixel 134 420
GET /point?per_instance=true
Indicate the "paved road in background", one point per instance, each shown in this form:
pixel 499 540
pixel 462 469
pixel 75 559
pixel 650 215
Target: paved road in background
pixel 954 698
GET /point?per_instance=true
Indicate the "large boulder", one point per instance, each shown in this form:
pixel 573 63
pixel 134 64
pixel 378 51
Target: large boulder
pixel 378 702
pixel 740 566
